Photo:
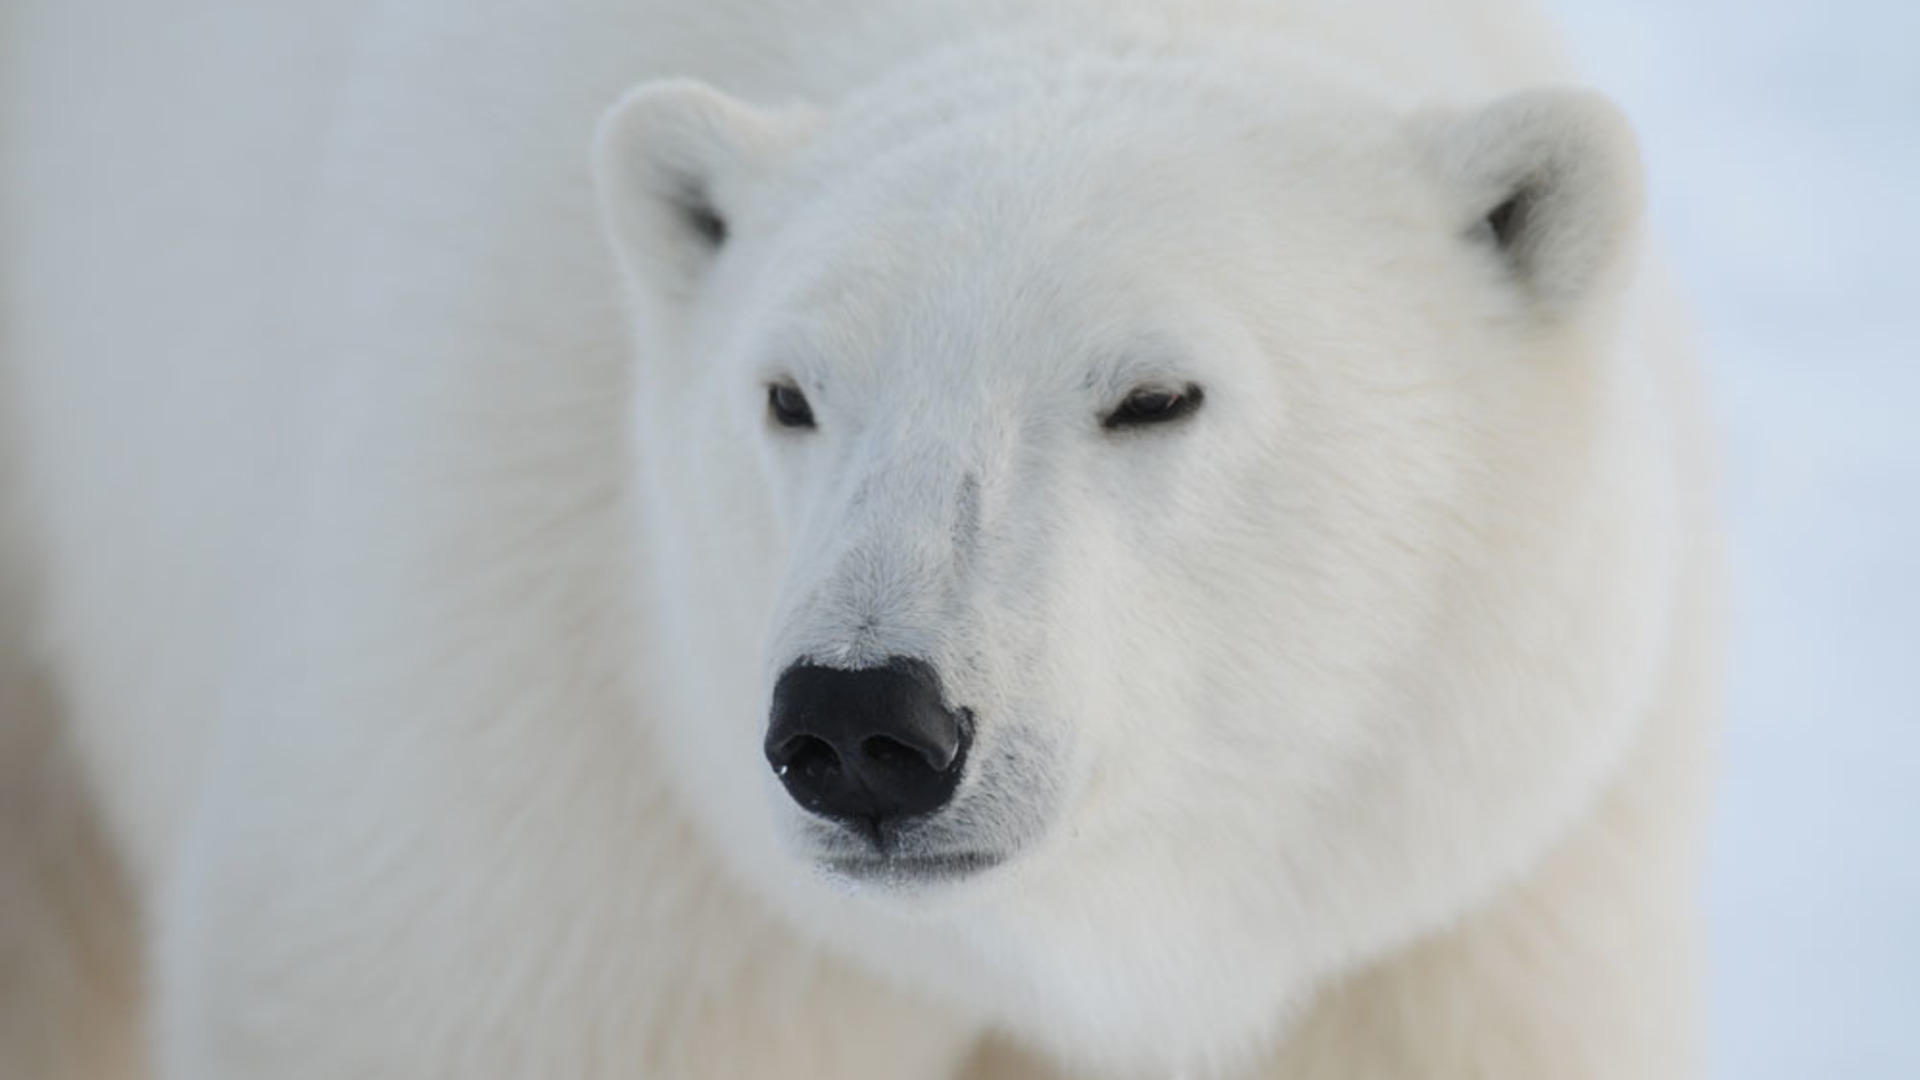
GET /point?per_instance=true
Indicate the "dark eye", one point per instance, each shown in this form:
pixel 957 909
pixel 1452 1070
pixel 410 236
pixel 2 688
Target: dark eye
pixel 1153 405
pixel 788 406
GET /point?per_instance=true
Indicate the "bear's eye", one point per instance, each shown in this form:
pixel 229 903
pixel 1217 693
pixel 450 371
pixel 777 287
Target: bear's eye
pixel 788 406
pixel 1153 405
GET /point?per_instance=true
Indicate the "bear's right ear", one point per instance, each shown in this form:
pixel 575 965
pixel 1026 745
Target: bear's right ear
pixel 673 163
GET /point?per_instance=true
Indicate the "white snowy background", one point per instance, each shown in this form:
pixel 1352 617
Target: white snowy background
pixel 1783 142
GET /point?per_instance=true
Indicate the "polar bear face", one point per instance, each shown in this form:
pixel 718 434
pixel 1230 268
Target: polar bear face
pixel 1144 539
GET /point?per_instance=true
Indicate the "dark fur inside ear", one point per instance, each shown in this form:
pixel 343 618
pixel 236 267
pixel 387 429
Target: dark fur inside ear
pixel 1520 222
pixel 696 210
pixel 1505 221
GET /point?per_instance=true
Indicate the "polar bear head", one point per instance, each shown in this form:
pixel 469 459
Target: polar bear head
pixel 1123 541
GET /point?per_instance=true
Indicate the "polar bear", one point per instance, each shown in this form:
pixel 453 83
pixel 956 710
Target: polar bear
pixel 967 539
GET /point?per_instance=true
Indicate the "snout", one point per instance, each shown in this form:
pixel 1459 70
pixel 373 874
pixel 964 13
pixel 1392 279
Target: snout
pixel 867 747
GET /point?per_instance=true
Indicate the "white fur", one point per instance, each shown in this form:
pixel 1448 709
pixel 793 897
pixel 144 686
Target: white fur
pixel 416 612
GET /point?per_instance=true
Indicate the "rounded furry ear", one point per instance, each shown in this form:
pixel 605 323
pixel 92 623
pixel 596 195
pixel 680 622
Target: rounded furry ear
pixel 673 163
pixel 1550 182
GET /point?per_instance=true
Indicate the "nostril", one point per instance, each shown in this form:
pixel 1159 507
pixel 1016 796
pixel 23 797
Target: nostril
pixel 894 754
pixel 807 757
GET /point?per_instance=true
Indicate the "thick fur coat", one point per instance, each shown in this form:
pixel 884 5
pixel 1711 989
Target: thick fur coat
pixel 433 428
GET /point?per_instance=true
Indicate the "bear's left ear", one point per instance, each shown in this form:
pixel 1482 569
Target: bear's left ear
pixel 674 162
pixel 1550 182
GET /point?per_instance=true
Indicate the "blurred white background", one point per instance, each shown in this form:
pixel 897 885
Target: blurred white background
pixel 1784 146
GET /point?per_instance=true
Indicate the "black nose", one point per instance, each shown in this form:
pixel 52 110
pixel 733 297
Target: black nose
pixel 869 746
